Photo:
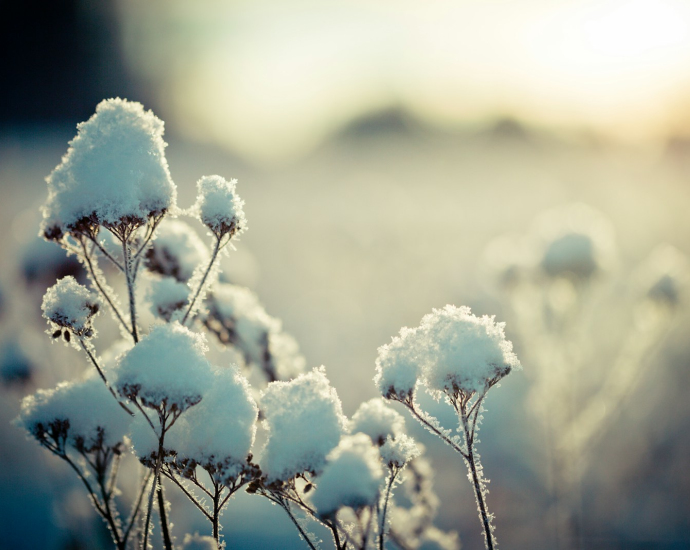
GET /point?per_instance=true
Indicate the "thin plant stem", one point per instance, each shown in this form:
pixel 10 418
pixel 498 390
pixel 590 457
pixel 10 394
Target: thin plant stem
pixel 382 523
pixel 286 506
pixel 106 253
pixel 163 515
pixel 216 250
pixel 130 277
pixel 137 506
pixel 94 277
pixel 433 428
pixel 86 347
pixel 477 481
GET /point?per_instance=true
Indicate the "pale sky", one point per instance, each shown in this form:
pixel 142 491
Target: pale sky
pixel 271 80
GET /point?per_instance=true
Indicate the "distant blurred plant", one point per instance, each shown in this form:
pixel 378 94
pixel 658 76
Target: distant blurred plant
pixel 558 286
pixel 155 393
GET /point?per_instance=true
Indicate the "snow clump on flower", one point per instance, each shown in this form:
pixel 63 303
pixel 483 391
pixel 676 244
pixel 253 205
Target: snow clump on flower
pixel 377 420
pixel 83 412
pixel 167 296
pixel 67 304
pixel 464 352
pixel 166 368
pixel 219 207
pixel 176 251
pixel 396 452
pixel 397 366
pixel 352 477
pixel 304 420
pixel 114 170
pixel 452 349
pixel 219 432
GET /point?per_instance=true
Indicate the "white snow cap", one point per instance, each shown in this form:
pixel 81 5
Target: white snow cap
pixel 352 476
pixel 399 451
pixel 166 367
pixel 67 304
pixel 464 351
pixel 115 168
pixel 197 542
pixel 167 296
pixel 94 417
pixel 218 433
pixel 450 349
pixel 377 420
pixel 397 366
pixel 304 420
pixel 176 251
pixel 219 207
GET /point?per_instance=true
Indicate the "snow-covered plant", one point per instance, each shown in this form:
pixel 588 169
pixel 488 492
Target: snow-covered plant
pixel 191 421
pixel 459 357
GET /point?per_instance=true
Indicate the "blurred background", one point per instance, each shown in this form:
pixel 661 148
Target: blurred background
pixel 382 148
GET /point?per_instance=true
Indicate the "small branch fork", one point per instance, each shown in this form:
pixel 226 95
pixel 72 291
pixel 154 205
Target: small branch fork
pixel 467 406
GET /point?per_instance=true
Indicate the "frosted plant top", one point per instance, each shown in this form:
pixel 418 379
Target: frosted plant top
pixel 219 207
pixel 452 350
pixel 304 419
pixel 68 304
pixel 87 411
pixel 115 169
pixel 168 366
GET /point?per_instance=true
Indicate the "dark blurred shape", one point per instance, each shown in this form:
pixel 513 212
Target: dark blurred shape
pixel 45 262
pixel 59 59
pixel 15 367
pixel 380 123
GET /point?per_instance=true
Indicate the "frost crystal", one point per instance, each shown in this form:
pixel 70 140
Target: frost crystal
pixel 67 304
pixel 219 207
pixel 176 251
pixel 397 366
pixel 166 368
pixel 219 432
pixel 352 476
pixel 304 420
pixel 115 169
pixel 83 412
pixel 377 420
pixel 464 352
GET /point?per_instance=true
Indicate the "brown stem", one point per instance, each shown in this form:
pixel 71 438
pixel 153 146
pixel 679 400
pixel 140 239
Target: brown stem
pixel 477 481
pixel 216 249
pixel 163 515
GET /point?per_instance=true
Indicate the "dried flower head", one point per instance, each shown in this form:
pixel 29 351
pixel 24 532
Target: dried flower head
pixel 71 306
pixel 114 171
pixel 219 207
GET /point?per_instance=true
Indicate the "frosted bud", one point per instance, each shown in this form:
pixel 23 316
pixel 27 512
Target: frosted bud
pixel 219 432
pixel 397 365
pixel 463 352
pixel 81 414
pixel 304 420
pixel 114 171
pixel 352 477
pixel 176 251
pixel 219 207
pixel 377 420
pixel 69 305
pixel 167 368
pixel 167 296
pixel 399 451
